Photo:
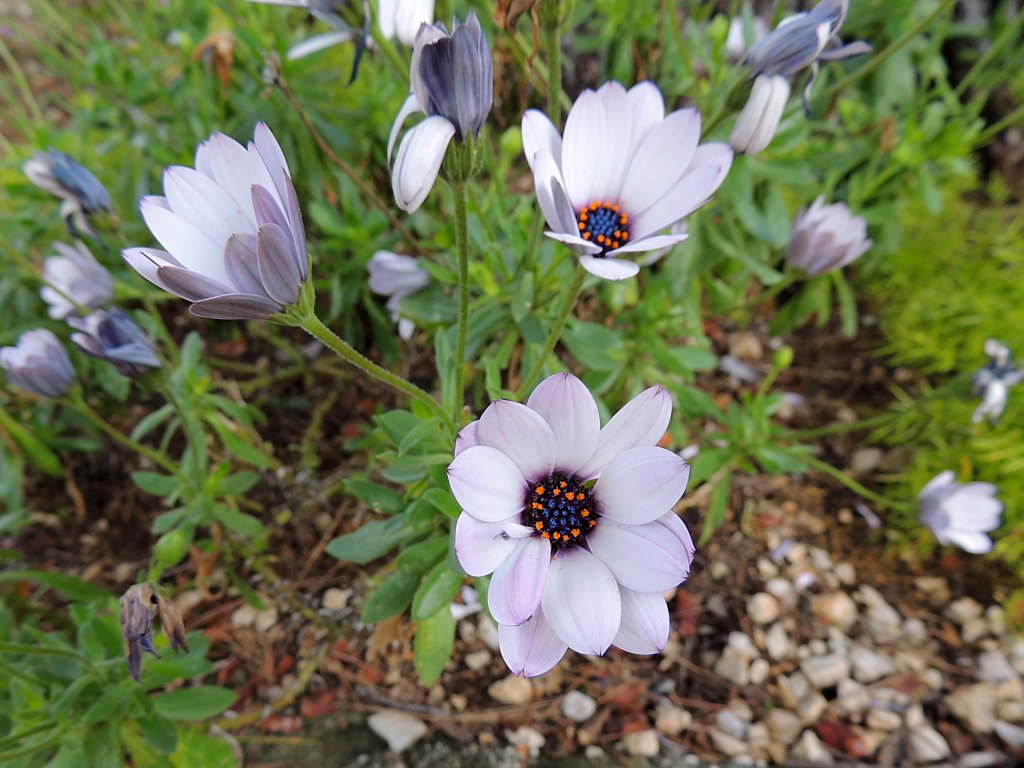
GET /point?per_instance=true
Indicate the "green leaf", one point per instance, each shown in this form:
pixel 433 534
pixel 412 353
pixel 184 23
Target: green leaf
pixel 432 646
pixel 240 482
pixel 778 461
pixel 197 749
pixel 374 539
pixel 443 501
pixel 239 446
pixel 159 733
pixel 417 558
pixel 377 497
pixel 155 483
pixel 152 421
pixel 35 450
pixel 239 522
pixel 194 703
pixel 391 597
pixel 718 507
pixel 112 702
pixel 69 586
pixel 437 591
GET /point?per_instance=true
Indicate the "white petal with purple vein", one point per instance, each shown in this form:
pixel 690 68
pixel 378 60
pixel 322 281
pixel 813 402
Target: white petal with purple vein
pixel 482 547
pixel 640 557
pixel 641 421
pixel 581 602
pixel 645 625
pixel 518 583
pixel 567 406
pixel 532 648
pixel 487 484
pixel 522 434
pixel 641 484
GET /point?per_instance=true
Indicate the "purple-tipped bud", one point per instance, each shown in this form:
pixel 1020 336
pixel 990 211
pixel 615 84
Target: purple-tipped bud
pixel 74 276
pixel 63 176
pixel 38 364
pixel 113 336
pixel 826 237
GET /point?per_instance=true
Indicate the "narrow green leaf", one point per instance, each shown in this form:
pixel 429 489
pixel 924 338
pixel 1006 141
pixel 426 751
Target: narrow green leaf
pixel 391 597
pixel 437 591
pixel 194 703
pixel 433 644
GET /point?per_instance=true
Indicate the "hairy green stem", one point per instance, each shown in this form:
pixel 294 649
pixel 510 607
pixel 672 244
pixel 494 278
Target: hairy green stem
pixel 553 44
pixel 462 249
pixel 311 324
pixel 77 401
pixel 569 296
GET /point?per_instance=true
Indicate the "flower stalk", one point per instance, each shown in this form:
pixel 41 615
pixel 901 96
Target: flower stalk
pixel 462 250
pixel 569 296
pixel 550 20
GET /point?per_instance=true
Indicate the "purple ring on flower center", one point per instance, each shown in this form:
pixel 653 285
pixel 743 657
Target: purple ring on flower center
pixel 562 509
pixel 603 224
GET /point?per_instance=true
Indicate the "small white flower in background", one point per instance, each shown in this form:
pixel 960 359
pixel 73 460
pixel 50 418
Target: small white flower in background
pixel 993 382
pixel 82 193
pixel 404 17
pixel 826 237
pixel 798 43
pixel 232 230
pixel 74 274
pixel 736 43
pixel 113 336
pixel 760 117
pixel 327 12
pixel 960 513
pixel 576 563
pixel 38 364
pixel 397 276
pixel 623 172
pixel 453 84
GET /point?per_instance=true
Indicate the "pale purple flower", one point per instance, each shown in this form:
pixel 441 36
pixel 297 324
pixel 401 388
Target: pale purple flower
pixel 402 18
pixel 453 84
pixel 573 520
pixel 74 274
pixel 327 12
pixel 826 237
pixel 993 382
pixel 960 513
pixel 397 276
pixel 760 117
pixel 623 173
pixel 113 336
pixel 232 230
pixel 38 364
pixel 63 176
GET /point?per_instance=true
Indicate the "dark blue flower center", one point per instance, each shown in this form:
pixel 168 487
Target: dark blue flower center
pixel 562 509
pixel 603 224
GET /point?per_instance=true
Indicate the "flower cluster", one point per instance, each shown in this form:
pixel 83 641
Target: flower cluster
pixel 573 520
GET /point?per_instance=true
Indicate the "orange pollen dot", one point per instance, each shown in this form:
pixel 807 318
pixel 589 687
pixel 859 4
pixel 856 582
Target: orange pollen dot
pixel 539 490
pixel 581 496
pixel 583 216
pixel 570 495
pixel 557 492
pixel 593 523
pixel 575 532
pixel 545 535
pixel 585 513
pixel 624 219
pixel 563 484
pixel 586 235
pixel 556 536
pixel 582 226
pixel 539 525
pixel 536 505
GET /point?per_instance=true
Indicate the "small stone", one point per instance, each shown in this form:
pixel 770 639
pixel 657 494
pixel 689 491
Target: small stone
pixel 266 619
pixel 487 631
pixel 783 725
pixel 746 346
pixel 783 590
pixel 994 667
pixel 836 608
pixel 477 660
pixel 812 708
pixel 1010 690
pixel 846 574
pixel 1011 734
pixel 869 665
pixel 913 718
pixel 852 698
pixel 399 729
pixel 719 570
pixel 728 745
pixel 793 689
pixel 528 741
pixel 933 679
pixel 766 569
pixel 642 743
pixel 595 754
pixel 820 559
pixel 996 620
pixel 763 608
pixel 936 588
pixel 1011 711
pixel 915 631
pixel 975 705
pixel 734 666
pixel 244 615
pixel 825 671
pixel 883 720
pixel 797 553
pixel 335 599
pixel 577 706
pixel 866 460
pixel 974 629
pixel 883 623
pixel 978 760
pixel 672 721
pixel 811 749
pixel 777 643
pixel 927 745
pixel 511 690
pixel 963 610
pixel 759 671
pixel 732 724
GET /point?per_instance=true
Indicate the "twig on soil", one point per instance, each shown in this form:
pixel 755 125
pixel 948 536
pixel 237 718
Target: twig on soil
pixel 489 716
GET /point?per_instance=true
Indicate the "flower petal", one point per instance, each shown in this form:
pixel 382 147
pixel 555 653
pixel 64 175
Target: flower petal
pixel 551 196
pixel 609 269
pixel 641 421
pixel 532 648
pixel 575 242
pixel 651 243
pixel 409 106
pixel 596 123
pixel 279 269
pixel 641 557
pixel 678 528
pixel 521 434
pixel 641 484
pixel 468 436
pixel 689 193
pixel 487 484
pixel 191 246
pixel 190 285
pixel 482 547
pixel 242 265
pixel 645 626
pixel 200 200
pixel 567 406
pixel 647 107
pixel 969 541
pixel 540 137
pixel 236 306
pixel 518 583
pixel 661 160
pixel 581 602
pixel 419 159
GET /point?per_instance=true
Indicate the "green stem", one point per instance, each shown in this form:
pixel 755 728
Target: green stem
pixel 849 482
pixel 996 128
pixel 23 85
pixel 874 62
pixel 462 248
pixel 401 65
pixel 837 429
pixel 311 324
pixel 77 401
pixel 553 44
pixel 569 296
